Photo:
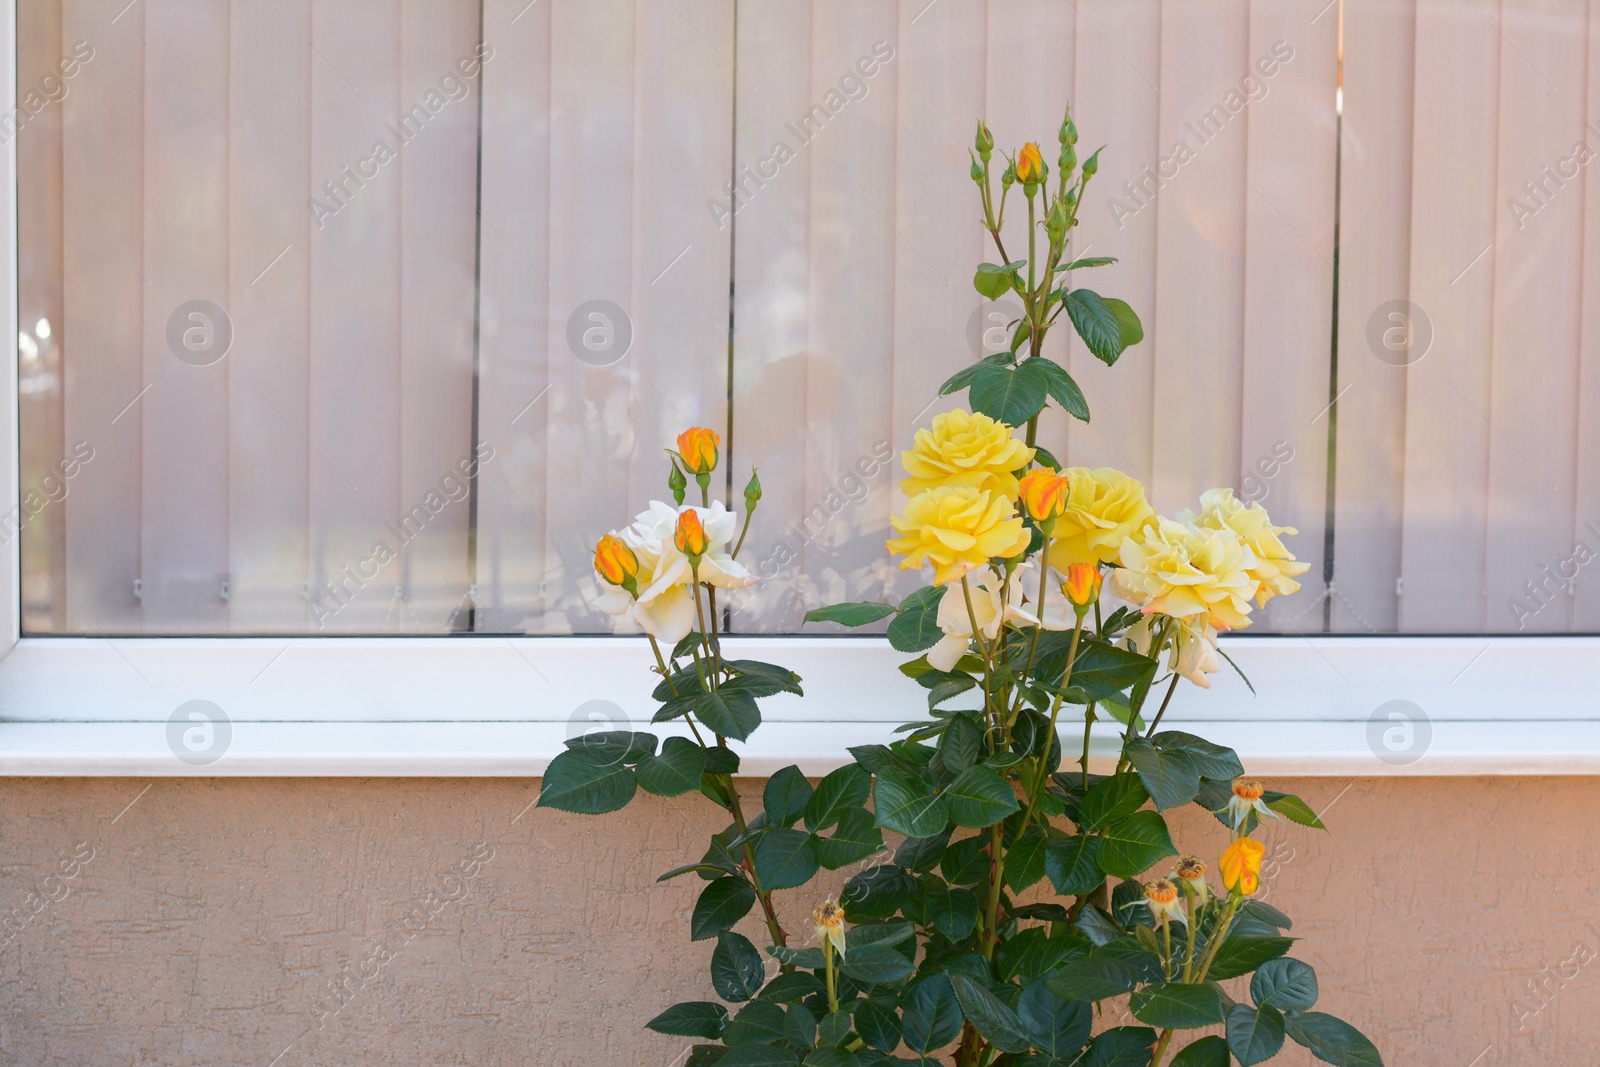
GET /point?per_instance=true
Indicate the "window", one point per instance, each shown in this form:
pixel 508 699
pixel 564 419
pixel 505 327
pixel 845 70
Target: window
pixel 353 318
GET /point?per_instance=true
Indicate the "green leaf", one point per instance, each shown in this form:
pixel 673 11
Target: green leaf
pixel 1013 395
pixel 736 969
pixel 1128 322
pixel 930 1014
pixel 876 965
pixel 1090 261
pixel 830 1057
pixel 758 1056
pixel 962 743
pixel 1101 669
pixel 758 1023
pixel 966 862
pixel 722 761
pixel 1241 955
pixel 1169 776
pixel 877 892
pixel 1062 389
pixel 1033 953
pixel 722 903
pixel 699 1018
pixel 1073 863
pixel 1333 1040
pixel 763 679
pixel 979 798
pixel 993 280
pixel 856 838
pixel 730 712
pixel 1025 861
pixel 989 1014
pixel 1254 1034
pixel 856 614
pixel 1122 1046
pixel 916 627
pixel 839 791
pixel 1177 1005
pixel 922 854
pixel 1285 984
pixel 878 1022
pixel 1046 459
pixel 1097 926
pixel 1096 323
pixel 1093 978
pixel 908 807
pixel 1212 761
pixel 785 859
pixel 1055 1026
pixel 621 746
pixel 953 911
pixel 1134 844
pixel 677 770
pixel 1263 912
pixel 586 781
pixel 963 377
pixel 808 958
pixel 1115 798
pixel 1294 809
pixel 786 796
pixel 791 986
pixel 1207 1052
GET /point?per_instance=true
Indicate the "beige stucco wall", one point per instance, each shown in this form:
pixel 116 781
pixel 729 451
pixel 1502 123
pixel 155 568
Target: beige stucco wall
pixel 217 915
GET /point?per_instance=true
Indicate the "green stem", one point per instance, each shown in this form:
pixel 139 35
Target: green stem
pixel 827 963
pixel 997 873
pixel 1166 946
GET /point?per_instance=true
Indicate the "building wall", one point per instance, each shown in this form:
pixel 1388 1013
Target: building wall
pixel 262 921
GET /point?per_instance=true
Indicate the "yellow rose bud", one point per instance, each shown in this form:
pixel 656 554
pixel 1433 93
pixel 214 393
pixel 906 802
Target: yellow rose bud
pixel 957 529
pixel 1241 865
pixel 1043 493
pixel 1082 585
pixel 698 447
pixel 690 535
pixel 1030 165
pixel 615 561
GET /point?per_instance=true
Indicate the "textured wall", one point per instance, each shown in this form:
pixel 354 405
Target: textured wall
pixel 264 921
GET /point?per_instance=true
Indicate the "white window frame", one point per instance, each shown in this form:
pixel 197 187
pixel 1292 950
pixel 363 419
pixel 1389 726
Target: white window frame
pixel 503 706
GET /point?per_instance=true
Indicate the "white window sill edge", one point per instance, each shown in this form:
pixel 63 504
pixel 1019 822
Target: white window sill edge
pixel 481 706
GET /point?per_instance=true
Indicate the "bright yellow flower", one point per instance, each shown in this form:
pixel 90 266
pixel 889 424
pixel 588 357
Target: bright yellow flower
pixel 615 561
pixel 1104 508
pixel 828 920
pixel 1276 567
pixel 1183 570
pixel 1043 493
pixel 1030 164
pixel 957 529
pixel 1241 865
pixel 690 535
pixel 698 447
pixel 964 449
pixel 1083 584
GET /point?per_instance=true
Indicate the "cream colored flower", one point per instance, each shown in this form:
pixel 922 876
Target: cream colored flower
pixel 1191 646
pixel 988 593
pixel 965 449
pixel 1104 508
pixel 664 607
pixel 828 920
pixel 1184 570
pixel 1276 567
pixel 957 529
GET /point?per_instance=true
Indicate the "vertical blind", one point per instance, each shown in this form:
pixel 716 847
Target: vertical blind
pixel 463 269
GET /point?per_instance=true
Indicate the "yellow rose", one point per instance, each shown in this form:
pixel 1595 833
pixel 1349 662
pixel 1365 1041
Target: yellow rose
pixel 1184 570
pixel 615 561
pixel 697 446
pixel 1043 494
pixel 1030 165
pixel 965 449
pixel 1241 865
pixel 1104 508
pixel 957 529
pixel 1275 568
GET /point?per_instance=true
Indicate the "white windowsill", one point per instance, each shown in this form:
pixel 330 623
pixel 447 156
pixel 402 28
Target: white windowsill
pixel 496 706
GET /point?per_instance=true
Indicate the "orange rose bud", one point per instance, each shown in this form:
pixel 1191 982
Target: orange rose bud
pixel 698 447
pixel 1241 865
pixel 1043 493
pixel 1082 585
pixel 1030 165
pixel 690 536
pixel 615 561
